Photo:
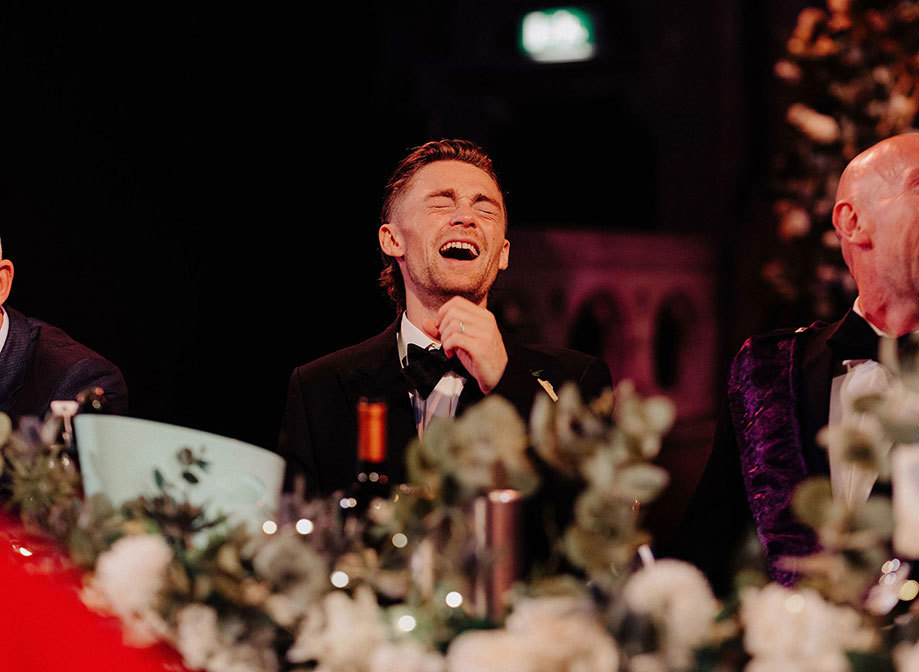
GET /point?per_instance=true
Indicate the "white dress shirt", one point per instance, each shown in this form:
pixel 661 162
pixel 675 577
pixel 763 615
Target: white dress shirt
pixel 852 484
pixel 443 400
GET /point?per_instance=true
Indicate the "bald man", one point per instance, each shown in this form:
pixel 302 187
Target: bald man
pixel 786 385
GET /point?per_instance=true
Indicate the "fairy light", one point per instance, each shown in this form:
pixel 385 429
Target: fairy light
pixel 909 590
pixel 269 527
pixel 890 566
pixel 399 540
pixel 304 526
pixel 347 502
pixel 339 579
pixel 406 623
pixel 454 599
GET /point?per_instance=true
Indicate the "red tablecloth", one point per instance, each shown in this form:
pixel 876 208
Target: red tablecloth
pixel 44 625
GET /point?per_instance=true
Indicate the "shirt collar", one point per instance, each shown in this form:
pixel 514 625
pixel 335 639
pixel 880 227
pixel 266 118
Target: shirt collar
pixel 858 311
pixel 4 328
pixel 409 333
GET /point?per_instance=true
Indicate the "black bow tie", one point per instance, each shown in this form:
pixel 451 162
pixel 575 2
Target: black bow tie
pixel 425 368
pixel 856 348
pixel 855 339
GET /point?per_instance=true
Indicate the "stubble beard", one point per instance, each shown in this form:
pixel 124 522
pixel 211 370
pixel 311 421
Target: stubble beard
pixel 438 288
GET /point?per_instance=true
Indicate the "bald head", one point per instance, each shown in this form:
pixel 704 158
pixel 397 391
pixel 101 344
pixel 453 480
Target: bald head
pixel 876 218
pixel 877 171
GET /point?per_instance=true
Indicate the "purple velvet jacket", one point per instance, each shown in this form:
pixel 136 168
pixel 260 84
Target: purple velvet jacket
pixel 777 400
pixel 763 405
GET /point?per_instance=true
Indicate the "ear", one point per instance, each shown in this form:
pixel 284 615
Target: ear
pixel 849 226
pixel 6 279
pixel 505 254
pixel 391 241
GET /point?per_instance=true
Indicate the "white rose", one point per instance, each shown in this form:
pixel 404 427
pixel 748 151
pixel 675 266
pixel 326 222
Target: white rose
pixel 243 658
pixel 328 632
pixel 406 656
pixel 489 651
pixel 197 634
pixel 906 657
pixel 541 635
pixel 796 628
pixel 130 575
pixel 678 598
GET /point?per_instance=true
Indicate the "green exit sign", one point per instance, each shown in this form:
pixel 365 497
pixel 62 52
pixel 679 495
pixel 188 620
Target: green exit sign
pixel 558 35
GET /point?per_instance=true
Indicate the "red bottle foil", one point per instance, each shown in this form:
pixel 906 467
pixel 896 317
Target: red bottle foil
pixel 371 433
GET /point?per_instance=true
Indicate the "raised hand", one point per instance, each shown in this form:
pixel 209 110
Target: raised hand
pixel 470 332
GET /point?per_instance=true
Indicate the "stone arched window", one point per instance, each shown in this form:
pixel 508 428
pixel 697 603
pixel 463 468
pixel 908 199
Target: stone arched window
pixel 673 323
pixel 598 329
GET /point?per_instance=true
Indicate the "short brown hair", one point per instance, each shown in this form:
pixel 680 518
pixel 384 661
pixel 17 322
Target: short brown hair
pixel 436 150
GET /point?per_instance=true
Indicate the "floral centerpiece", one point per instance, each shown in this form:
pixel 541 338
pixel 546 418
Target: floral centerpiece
pixel 400 586
pixel 408 584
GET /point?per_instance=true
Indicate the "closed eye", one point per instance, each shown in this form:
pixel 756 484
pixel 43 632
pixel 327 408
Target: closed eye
pixel 487 205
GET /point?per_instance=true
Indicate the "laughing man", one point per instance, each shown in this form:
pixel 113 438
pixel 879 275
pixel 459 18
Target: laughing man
pixel 443 238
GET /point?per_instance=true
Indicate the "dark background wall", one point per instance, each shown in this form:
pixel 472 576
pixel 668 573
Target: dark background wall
pixel 192 190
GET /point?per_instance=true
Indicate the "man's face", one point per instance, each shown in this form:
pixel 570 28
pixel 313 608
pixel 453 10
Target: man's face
pixel 447 232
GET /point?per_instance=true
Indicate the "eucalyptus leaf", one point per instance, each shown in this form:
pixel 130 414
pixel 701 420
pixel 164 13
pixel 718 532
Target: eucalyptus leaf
pixel 642 482
pixel 6 428
pixel 870 662
pixel 868 403
pixel 99 507
pixel 876 515
pixel 900 431
pixel 82 550
pixel 813 501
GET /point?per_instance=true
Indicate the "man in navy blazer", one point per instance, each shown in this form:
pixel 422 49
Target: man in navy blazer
pixel 442 235
pixel 39 363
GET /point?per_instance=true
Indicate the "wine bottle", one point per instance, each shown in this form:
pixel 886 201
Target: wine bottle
pixel 372 478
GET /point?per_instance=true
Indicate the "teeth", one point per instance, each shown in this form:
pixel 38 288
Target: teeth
pixel 456 245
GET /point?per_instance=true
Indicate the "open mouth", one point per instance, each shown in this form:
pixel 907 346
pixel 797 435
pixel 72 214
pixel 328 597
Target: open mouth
pixel 459 251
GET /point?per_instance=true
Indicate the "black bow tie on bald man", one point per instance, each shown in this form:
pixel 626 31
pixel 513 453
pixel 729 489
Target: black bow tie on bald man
pixel 425 368
pixel 855 339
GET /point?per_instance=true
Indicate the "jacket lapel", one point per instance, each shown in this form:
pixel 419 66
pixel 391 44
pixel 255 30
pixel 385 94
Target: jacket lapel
pixel 15 356
pixel 818 366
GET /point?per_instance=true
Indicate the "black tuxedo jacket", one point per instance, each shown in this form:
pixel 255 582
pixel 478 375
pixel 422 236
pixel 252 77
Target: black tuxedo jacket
pixel 40 363
pixel 719 513
pixel 319 434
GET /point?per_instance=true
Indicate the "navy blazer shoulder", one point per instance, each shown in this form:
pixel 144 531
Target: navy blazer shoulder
pixel 40 363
